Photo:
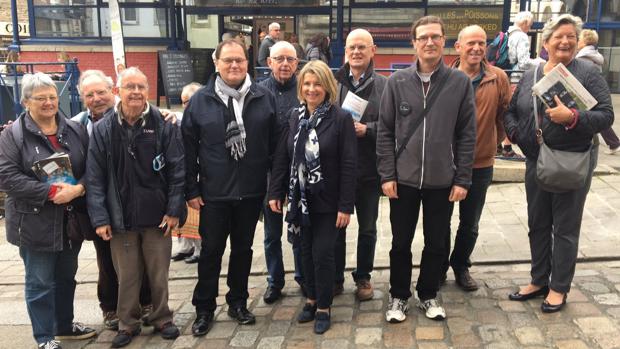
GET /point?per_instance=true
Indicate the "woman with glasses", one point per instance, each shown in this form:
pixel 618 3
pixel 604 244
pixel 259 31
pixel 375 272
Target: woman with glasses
pixel 315 169
pixel 37 209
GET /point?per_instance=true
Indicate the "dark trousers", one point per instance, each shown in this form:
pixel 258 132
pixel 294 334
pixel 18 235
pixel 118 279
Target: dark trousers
pixel 218 220
pixel 50 289
pixel 136 253
pixel 404 213
pixel 554 221
pixel 367 211
pixel 610 138
pixel 107 284
pixel 317 249
pixel 470 211
pixel 272 223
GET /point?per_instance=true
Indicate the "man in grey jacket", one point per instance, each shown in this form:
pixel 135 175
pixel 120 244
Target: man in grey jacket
pixel 268 41
pixel 357 78
pixel 425 152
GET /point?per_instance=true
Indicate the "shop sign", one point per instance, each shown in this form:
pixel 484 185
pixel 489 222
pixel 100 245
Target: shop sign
pixel 257 3
pixel 455 19
pixel 6 28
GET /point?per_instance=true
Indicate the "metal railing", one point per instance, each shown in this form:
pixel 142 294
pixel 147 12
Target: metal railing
pixel 10 85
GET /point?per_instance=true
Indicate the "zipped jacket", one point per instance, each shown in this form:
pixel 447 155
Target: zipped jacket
pixel 441 151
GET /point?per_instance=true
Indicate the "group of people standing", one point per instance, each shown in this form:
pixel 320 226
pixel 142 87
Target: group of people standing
pixel 427 137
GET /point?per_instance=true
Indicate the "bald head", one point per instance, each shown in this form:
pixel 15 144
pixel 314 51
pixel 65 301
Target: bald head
pixel 471 46
pixel 359 50
pixel 471 30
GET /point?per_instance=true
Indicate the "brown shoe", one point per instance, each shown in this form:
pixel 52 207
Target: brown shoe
pixel 364 290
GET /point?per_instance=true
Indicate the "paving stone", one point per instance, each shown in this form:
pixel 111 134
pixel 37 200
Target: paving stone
pixel 222 330
pixel 105 336
pixel 335 344
pixel 502 345
pixel 614 312
pixel 340 314
pixel 452 297
pixel 300 344
pixel 344 299
pixel 369 319
pixel 492 333
pixel 561 331
pixel 595 287
pixel 576 295
pixel 492 316
pixel 511 306
pixel 338 330
pixel 458 325
pixel 482 303
pixel 582 309
pixel 370 336
pixel 398 339
pixel 595 325
pixel 529 335
pixel 262 311
pixel 465 340
pixel 184 342
pixel 498 283
pixel 429 333
pixel 432 345
pixel 608 341
pixel 291 301
pixel 302 331
pixel 278 328
pixel 371 305
pixel 284 313
pixel 571 344
pixel 212 344
pixel 271 342
pixel 244 339
pixel 607 298
pixel 521 319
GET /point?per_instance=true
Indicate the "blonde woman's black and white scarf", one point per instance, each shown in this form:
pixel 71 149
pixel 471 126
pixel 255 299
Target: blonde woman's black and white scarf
pixel 305 174
pixel 235 131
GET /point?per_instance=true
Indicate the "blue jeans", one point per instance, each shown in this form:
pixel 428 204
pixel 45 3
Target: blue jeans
pixel 50 288
pixel 367 211
pixel 273 249
pixel 470 211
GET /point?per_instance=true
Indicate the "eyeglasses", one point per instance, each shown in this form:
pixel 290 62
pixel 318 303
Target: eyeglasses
pixel 358 47
pixel 133 87
pixel 98 93
pixel 42 99
pixel 231 60
pixel 434 38
pixel 281 59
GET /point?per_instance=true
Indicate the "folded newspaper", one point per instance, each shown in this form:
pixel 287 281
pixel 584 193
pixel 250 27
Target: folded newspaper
pixel 54 169
pixel 560 82
pixel 355 105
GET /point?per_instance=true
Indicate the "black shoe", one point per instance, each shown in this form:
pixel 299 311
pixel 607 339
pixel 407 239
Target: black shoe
pixel 242 315
pixel 552 308
pixel 78 331
pixel 322 322
pixel 168 330
pixel 465 281
pixel 272 294
pixel 338 289
pixel 193 259
pixel 179 256
pixel 307 313
pixel 123 338
pixel 523 297
pixel 202 324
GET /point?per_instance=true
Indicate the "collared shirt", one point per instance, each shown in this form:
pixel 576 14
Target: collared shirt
pixel 120 115
pixel 354 82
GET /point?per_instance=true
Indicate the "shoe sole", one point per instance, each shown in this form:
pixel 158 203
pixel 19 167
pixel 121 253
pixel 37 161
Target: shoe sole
pixel 366 298
pixel 247 322
pixel 83 336
pixel 395 320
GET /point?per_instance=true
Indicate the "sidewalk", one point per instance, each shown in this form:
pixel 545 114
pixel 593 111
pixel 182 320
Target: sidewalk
pixel 484 319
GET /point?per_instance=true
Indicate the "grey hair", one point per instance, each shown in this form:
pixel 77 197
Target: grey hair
pixel 524 17
pixel 274 25
pixel 128 72
pixel 97 74
pixel 554 23
pixel 32 82
pixel 280 45
pixel 190 89
pixel 589 37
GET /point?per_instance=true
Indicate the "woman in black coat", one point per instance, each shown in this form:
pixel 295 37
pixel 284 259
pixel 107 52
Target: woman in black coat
pixel 554 218
pixel 314 167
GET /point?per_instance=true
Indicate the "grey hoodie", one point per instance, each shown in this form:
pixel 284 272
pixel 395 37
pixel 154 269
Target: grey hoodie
pixel 591 53
pixel 519 49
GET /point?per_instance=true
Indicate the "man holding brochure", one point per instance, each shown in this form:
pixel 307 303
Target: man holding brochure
pixel 359 92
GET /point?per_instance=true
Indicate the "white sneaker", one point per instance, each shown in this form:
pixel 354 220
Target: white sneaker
pixel 52 344
pixel 397 310
pixel 612 151
pixel 432 309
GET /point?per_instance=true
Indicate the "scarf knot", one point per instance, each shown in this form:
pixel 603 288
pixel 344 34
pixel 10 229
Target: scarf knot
pixel 235 130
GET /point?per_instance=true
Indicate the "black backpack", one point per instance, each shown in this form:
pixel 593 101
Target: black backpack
pixel 497 51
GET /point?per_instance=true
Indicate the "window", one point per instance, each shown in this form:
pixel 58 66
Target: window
pixel 66 22
pixel 386 24
pixel 129 15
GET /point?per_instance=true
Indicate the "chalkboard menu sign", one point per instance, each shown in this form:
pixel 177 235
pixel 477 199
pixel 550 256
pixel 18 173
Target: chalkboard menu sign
pixel 175 71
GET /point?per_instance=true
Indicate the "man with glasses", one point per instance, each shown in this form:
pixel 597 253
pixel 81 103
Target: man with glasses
pixel 282 83
pixel 135 178
pixel 267 42
pixel 358 79
pixel 425 151
pixel 230 131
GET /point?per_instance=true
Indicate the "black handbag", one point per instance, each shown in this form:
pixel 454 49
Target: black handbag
pixel 79 227
pixel 559 171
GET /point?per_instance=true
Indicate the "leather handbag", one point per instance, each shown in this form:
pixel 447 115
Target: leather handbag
pixel 559 171
pixel 79 227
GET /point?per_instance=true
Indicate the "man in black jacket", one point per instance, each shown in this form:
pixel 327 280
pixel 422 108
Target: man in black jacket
pixel 357 78
pixel 135 175
pixel 283 85
pixel 230 132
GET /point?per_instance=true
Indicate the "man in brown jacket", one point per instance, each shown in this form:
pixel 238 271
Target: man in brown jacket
pixel 492 93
